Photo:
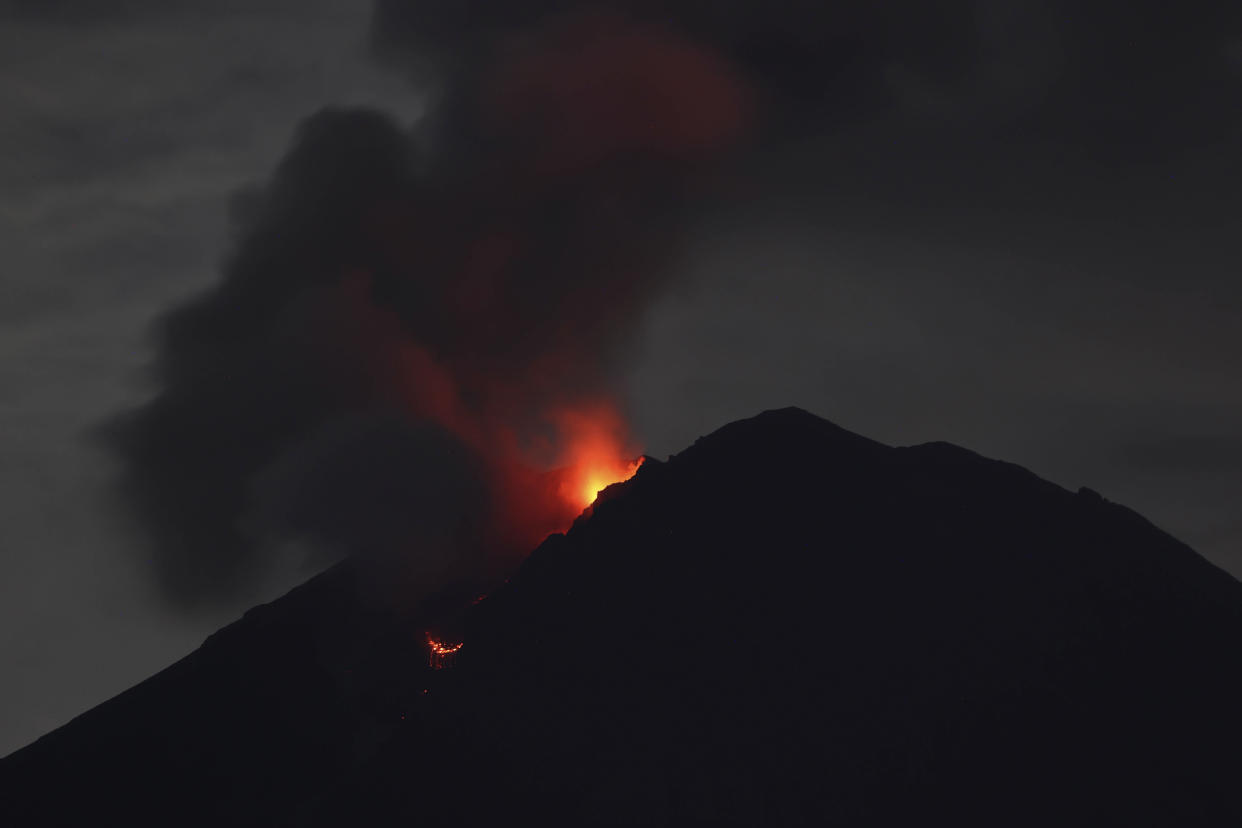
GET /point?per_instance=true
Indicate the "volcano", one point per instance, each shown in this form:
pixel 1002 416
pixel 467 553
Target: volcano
pixel 784 624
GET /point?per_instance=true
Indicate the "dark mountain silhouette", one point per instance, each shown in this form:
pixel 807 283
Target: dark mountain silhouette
pixel 784 624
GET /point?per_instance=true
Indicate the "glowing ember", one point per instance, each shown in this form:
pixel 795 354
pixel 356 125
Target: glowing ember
pixel 441 654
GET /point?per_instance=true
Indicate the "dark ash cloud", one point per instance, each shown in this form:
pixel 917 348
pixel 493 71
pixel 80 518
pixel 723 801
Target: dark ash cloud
pixel 1102 76
pixel 475 281
pixel 262 357
pixel 816 64
pixel 484 273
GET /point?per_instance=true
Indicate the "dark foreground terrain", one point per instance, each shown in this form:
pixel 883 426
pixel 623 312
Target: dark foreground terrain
pixel 784 624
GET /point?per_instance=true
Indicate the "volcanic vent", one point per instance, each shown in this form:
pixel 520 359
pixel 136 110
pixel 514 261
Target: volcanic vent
pixel 784 624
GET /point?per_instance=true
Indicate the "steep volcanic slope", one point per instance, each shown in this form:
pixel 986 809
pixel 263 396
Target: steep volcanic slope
pixel 784 624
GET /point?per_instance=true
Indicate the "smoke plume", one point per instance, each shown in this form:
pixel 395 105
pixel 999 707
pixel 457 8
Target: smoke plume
pixel 417 328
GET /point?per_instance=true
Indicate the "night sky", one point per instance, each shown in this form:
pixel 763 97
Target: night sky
pixel 1007 225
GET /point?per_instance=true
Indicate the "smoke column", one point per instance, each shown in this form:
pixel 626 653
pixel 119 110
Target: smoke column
pixel 415 328
pixel 411 354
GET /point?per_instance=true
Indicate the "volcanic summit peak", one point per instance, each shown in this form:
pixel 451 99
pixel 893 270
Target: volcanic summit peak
pixel 786 623
pixel 789 427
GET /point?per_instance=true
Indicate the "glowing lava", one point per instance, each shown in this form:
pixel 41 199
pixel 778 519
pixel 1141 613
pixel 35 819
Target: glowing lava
pixel 596 454
pixel 597 477
pixel 441 654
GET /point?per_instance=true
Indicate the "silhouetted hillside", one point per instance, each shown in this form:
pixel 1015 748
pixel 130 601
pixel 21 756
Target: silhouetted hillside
pixel 784 624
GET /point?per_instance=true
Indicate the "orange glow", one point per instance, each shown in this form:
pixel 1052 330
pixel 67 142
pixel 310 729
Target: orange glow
pixel 596 455
pixel 540 476
pixel 443 649
pixel 441 654
pixel 599 476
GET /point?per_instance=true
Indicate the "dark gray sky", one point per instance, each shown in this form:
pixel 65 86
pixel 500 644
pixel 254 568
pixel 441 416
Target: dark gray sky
pixel 1026 245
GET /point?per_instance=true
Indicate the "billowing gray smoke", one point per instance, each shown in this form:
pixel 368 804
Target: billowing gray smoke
pixel 413 326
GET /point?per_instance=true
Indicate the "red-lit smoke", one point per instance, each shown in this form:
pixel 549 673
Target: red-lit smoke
pixel 415 344
pixel 545 451
pixel 547 249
